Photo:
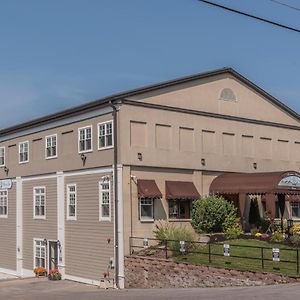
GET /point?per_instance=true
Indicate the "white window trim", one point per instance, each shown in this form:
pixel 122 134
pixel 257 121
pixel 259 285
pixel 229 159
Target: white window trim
pixel 72 218
pixel 145 220
pixel 34 194
pixel 3 156
pixel 101 218
pixel 291 208
pixel 90 150
pixel 112 132
pixel 54 156
pixel 34 252
pixel 5 216
pixel 24 161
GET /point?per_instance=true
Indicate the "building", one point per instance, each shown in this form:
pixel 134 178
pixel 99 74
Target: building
pixel 150 151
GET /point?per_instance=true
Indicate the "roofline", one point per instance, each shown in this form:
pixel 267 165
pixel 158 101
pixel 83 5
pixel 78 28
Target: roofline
pixel 119 96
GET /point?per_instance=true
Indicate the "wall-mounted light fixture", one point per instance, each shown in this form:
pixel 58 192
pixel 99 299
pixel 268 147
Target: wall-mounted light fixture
pixel 133 178
pixel 6 170
pixel 255 165
pixel 203 162
pixel 83 158
pixel 140 156
pixel 45 241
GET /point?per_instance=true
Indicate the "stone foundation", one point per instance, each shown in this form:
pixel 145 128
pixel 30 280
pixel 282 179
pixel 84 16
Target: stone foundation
pixel 145 272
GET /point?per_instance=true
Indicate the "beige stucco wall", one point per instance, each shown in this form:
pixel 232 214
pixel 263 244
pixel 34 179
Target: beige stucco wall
pixel 204 95
pixel 8 233
pixel 226 145
pixel 87 249
pixel 132 225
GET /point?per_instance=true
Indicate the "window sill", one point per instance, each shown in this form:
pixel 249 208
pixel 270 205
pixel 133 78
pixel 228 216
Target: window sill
pixel 179 220
pixel 51 157
pixel 23 162
pixel 85 151
pixel 105 148
pixel 105 220
pixel 3 216
pixel 39 218
pixel 147 220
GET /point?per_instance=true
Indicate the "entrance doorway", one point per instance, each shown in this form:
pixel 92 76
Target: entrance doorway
pixel 53 255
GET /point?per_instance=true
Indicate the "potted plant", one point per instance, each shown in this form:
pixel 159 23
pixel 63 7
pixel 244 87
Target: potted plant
pixel 54 274
pixel 40 271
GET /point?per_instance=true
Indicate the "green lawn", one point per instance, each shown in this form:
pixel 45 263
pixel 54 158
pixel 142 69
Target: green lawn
pixel 248 256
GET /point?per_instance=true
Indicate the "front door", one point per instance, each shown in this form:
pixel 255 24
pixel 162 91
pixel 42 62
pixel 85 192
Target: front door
pixel 53 255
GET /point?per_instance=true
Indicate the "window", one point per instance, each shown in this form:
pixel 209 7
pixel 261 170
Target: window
pixel 23 152
pixel 146 209
pixel 295 207
pixel 51 146
pixel 85 139
pixel 39 195
pixel 180 209
pixel 3 203
pixel 71 198
pixel 39 254
pixel 2 156
pixel 105 135
pixel 104 192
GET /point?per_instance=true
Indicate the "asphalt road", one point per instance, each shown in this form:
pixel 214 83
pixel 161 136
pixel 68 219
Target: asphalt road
pixel 43 289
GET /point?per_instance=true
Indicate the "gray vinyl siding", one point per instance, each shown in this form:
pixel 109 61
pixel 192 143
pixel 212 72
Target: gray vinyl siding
pixel 87 249
pixel 8 233
pixel 33 228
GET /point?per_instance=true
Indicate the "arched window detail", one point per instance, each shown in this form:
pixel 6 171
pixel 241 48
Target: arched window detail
pixel 227 94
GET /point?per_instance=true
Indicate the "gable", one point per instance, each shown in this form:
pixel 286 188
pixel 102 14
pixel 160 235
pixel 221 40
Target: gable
pixel 223 94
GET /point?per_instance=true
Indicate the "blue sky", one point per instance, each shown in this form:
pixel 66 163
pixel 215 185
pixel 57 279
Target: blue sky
pixel 60 53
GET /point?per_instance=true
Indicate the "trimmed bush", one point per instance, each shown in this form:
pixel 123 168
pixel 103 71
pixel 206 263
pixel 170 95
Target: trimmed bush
pixel 213 214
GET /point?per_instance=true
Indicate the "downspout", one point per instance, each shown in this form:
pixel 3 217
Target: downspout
pixel 115 137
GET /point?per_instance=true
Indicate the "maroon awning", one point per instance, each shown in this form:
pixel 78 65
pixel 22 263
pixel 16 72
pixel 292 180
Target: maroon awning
pixel 185 190
pixel 147 188
pixel 254 183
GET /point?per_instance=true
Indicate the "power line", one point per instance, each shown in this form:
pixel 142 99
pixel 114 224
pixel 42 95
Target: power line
pixel 250 16
pixel 285 4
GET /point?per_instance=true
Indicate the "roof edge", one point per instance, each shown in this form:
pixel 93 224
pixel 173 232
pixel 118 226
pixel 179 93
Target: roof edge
pixel 119 96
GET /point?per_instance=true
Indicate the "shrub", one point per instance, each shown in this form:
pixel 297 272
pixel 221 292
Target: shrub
pixel 295 229
pixel 276 237
pixel 233 232
pixel 295 240
pixel 168 231
pixel 213 214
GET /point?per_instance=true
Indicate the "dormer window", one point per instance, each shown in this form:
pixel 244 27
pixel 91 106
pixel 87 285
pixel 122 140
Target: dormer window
pixel 227 94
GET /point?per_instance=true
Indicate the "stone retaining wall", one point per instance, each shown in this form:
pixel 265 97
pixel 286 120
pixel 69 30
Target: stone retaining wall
pixel 146 272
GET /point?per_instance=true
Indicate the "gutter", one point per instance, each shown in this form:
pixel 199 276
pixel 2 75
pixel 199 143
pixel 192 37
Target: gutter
pixel 116 201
